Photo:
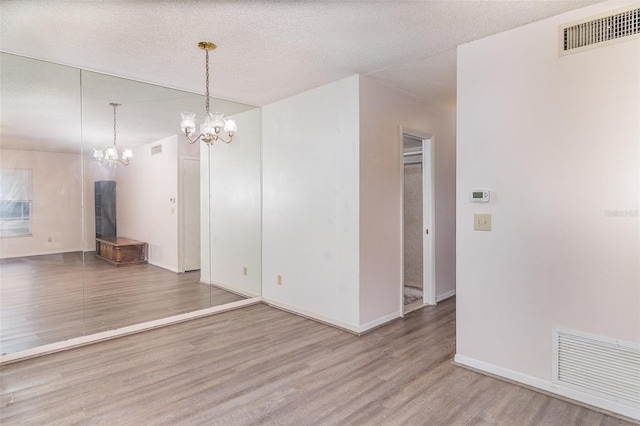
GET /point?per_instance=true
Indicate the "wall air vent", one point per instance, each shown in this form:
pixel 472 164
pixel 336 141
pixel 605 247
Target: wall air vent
pixel 600 366
pixel 157 149
pixel 621 25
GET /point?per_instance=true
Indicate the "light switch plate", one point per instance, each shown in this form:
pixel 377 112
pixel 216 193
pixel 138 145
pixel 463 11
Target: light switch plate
pixel 482 222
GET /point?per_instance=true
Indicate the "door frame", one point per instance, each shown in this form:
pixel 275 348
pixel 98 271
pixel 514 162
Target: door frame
pixel 428 223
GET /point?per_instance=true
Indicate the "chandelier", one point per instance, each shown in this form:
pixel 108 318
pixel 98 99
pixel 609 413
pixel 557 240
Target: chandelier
pixel 213 122
pixel 110 155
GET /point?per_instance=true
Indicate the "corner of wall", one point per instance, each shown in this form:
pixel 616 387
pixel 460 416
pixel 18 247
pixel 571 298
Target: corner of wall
pixel 383 110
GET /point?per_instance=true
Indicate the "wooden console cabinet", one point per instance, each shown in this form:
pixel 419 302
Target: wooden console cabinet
pixel 120 251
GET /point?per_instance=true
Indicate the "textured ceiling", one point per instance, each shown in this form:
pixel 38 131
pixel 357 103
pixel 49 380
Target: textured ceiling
pixel 44 108
pixel 267 50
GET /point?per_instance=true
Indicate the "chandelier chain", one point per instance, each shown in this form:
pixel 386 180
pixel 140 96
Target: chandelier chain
pixel 207 82
pixel 114 125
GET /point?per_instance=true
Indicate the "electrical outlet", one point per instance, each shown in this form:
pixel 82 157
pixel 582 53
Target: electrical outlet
pixel 279 279
pixel 482 222
pixel 49 239
pixel 244 271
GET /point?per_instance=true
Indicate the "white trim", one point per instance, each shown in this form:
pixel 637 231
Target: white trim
pixel 428 242
pixel 233 289
pixel 311 315
pixel 331 321
pixel 550 387
pixel 380 321
pixel 124 331
pixel 163 266
pixel 428 211
pixel 181 210
pixel 444 296
pixel 401 173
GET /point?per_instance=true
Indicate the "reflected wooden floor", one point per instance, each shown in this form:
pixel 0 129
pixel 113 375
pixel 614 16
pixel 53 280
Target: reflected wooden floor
pixel 46 299
pixel 260 365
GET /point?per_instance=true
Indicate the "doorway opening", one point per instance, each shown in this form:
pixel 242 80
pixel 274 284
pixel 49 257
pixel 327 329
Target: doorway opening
pixel 417 230
pixel 190 214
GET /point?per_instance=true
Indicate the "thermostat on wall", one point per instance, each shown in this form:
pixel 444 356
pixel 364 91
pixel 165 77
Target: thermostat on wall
pixel 479 196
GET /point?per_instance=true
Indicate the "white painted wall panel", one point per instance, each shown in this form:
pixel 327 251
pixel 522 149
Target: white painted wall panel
pixel 556 140
pixel 205 218
pixel 310 201
pixel 234 183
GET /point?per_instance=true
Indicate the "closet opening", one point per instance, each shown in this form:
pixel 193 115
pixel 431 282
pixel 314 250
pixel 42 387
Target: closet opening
pixel 417 233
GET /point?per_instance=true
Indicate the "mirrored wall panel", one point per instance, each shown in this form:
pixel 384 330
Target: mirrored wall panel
pixel 110 216
pixel 41 192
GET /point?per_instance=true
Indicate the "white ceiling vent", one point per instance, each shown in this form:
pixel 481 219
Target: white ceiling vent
pixel 157 149
pixel 600 366
pixel 621 25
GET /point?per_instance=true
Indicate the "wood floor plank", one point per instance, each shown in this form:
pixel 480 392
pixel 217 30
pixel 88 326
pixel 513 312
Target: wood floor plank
pixel 51 298
pixel 260 365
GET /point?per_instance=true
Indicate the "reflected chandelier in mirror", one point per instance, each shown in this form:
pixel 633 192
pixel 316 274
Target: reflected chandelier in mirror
pixel 110 155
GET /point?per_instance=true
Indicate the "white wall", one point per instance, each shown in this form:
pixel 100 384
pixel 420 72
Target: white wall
pixel 556 140
pixel 382 110
pixel 234 182
pixel 310 202
pixel 332 188
pixel 57 203
pixel 144 209
pixel 205 218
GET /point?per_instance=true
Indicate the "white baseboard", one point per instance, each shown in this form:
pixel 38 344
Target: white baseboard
pixel 331 321
pixel 547 386
pixel 163 266
pixel 380 321
pixel 445 296
pixel 120 332
pixel 312 315
pixel 234 289
pixel 40 253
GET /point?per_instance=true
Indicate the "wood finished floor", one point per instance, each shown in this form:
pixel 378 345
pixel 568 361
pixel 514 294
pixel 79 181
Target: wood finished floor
pixel 46 299
pixel 260 365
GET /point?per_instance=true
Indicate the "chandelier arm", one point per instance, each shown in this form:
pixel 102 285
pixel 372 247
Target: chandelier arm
pixel 190 139
pixel 220 138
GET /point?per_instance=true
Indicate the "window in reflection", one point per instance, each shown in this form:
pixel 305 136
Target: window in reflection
pixel 15 202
